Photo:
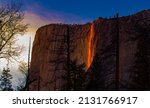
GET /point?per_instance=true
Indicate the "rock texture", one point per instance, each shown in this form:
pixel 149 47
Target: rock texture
pixel 87 40
pixel 48 43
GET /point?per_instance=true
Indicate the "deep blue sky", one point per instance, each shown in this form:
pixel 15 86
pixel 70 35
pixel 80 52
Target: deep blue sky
pixel 91 9
pixel 82 10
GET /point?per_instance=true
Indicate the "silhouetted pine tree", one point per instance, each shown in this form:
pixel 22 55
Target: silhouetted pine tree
pixel 23 82
pixel 5 80
pixel 96 82
pixel 117 54
pixel 61 50
pixel 76 76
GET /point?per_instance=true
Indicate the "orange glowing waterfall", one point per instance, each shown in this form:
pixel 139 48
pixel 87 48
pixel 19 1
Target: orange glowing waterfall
pixel 90 47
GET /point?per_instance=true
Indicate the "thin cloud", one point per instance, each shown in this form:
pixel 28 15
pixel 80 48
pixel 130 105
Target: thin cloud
pixel 35 21
pixel 53 15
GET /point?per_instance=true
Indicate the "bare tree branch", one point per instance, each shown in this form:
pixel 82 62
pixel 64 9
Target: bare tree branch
pixel 11 26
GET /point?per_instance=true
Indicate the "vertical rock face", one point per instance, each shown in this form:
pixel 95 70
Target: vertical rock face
pixel 49 51
pixel 129 38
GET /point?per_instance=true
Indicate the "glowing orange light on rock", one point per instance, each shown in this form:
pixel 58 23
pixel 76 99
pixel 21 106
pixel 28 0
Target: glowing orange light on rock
pixel 90 47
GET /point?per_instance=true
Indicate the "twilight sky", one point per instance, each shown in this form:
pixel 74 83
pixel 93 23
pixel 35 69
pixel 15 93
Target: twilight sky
pixel 42 12
pixel 86 8
pixel 82 10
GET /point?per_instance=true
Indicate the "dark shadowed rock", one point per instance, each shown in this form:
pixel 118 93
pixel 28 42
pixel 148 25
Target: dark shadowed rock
pixel 50 48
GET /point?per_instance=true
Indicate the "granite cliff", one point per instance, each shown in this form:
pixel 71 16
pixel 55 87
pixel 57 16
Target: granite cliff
pixel 86 41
